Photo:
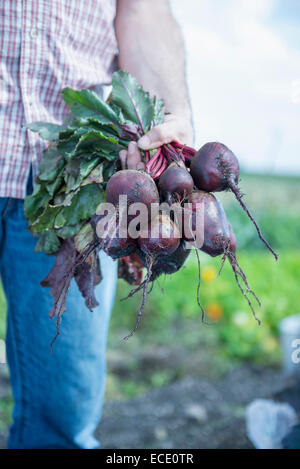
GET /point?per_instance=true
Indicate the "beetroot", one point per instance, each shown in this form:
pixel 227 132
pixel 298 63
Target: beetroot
pixel 215 220
pixel 161 238
pixel 110 238
pixel 130 269
pixel 212 167
pixel 138 186
pixel 176 183
pixel 167 264
pixel 219 237
pixel 120 247
pixel 215 168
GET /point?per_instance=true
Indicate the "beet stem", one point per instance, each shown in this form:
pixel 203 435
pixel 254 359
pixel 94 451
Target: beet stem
pixel 232 258
pixel 246 296
pixel 238 196
pixel 160 287
pixel 198 290
pixel 133 292
pixel 152 161
pixel 243 276
pixel 161 170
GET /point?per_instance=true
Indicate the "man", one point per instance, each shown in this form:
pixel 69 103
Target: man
pixel 46 46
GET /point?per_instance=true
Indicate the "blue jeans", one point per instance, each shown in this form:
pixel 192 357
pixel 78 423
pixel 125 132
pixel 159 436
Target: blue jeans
pixel 57 398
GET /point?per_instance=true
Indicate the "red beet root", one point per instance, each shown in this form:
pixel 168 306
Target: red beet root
pixel 161 238
pixel 107 234
pixel 167 264
pixel 138 186
pixel 176 183
pixel 212 167
pixel 215 220
pixel 219 237
pixel 215 168
pixel 120 247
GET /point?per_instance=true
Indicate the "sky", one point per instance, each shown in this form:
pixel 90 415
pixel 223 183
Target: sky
pixel 243 71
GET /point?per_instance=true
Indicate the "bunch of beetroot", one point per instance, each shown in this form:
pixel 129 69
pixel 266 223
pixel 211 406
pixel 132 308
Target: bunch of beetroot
pixel 179 175
pixel 81 169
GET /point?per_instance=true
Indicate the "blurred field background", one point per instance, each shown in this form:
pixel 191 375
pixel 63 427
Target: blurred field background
pixel 172 319
pixel 243 73
pixel 172 342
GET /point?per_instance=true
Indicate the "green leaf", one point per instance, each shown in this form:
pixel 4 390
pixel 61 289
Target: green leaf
pixel 158 111
pixel 67 147
pixel 48 242
pixel 72 175
pixel 76 171
pixel 83 206
pixel 46 130
pixel 50 165
pixel 64 198
pixel 56 184
pixel 87 166
pixel 35 203
pixel 89 142
pixel 87 104
pixel 95 176
pixel 109 169
pixel 68 231
pixel 46 220
pixel 84 237
pixel 100 142
pixel 135 103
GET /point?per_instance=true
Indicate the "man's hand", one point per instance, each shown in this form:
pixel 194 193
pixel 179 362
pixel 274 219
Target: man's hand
pixel 173 128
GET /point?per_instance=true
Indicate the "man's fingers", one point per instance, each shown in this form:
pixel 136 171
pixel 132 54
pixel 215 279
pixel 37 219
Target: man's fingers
pixel 123 158
pixel 159 135
pixel 133 156
pixel 173 128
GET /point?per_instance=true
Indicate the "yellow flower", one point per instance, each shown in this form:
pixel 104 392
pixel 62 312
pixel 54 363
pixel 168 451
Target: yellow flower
pixel 214 311
pixel 208 273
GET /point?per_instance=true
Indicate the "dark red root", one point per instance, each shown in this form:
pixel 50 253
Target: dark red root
pixel 238 272
pixel 198 294
pixel 233 187
pixel 198 290
pixel 134 291
pixel 247 298
pixel 151 287
pixel 160 287
pixel 150 261
pixel 237 268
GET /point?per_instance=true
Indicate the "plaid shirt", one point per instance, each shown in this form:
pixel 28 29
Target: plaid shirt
pixel 46 45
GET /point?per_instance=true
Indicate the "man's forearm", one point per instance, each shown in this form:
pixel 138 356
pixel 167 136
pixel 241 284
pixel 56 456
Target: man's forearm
pixel 151 48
